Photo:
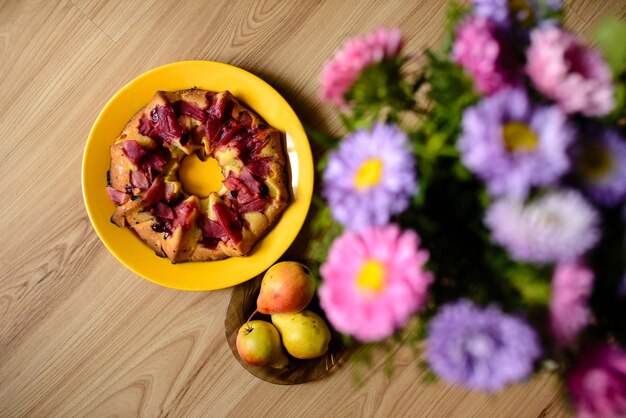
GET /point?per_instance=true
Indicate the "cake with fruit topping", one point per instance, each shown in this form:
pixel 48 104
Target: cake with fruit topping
pixel 144 180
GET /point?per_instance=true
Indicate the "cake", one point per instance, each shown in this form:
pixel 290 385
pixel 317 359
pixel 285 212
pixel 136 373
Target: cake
pixel 144 181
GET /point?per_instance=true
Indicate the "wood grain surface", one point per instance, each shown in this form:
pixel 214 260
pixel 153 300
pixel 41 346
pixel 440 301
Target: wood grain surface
pixel 80 335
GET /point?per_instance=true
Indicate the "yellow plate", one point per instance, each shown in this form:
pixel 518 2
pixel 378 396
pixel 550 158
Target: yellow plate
pixel 125 245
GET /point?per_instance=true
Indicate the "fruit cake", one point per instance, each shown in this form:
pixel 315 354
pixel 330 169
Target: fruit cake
pixel 144 182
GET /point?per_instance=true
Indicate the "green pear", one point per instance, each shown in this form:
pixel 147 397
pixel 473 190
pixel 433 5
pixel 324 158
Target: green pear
pixel 258 344
pixel 305 335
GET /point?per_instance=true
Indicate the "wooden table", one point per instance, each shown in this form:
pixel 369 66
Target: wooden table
pixel 82 335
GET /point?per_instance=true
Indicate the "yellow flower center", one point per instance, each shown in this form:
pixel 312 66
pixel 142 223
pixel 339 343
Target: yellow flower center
pixel 369 174
pixel 519 137
pixel 522 11
pixel 371 277
pixel 595 162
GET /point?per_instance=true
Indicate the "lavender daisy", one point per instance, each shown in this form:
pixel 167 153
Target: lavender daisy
pixel 370 178
pixel 601 167
pixel 483 349
pixel 512 145
pixel 557 227
pixel 506 12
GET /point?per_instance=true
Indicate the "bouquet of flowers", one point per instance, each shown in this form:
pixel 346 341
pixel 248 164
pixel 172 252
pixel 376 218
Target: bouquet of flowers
pixel 475 209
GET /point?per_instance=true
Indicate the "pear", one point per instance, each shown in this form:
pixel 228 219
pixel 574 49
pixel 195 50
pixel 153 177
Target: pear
pixel 305 335
pixel 287 287
pixel 258 344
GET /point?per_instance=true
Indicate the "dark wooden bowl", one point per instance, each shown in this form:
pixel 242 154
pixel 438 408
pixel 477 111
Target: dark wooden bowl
pixel 243 304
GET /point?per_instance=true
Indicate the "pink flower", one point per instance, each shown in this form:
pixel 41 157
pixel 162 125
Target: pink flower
pixel 597 382
pixel 575 76
pixel 373 282
pixel 357 54
pixel 569 314
pixel 483 54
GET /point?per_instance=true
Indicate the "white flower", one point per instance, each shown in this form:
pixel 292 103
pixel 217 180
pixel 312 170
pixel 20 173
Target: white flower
pixel 557 227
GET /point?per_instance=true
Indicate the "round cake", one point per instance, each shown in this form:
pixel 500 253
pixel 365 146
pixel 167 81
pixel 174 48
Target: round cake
pixel 144 181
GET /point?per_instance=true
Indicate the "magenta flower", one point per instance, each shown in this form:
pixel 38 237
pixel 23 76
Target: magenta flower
pixel 574 76
pixel 483 53
pixel 374 281
pixel 357 54
pixel 597 382
pixel 569 314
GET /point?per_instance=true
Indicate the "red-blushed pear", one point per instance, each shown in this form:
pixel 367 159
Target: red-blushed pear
pixel 287 287
pixel 258 344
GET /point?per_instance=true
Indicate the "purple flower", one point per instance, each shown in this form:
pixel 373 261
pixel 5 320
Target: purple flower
pixel 569 314
pixel 597 382
pixel 502 12
pixel 483 52
pixel 495 10
pixel 370 177
pixel 484 349
pixel 600 162
pixel 512 145
pixel 556 227
pixel 505 12
pixel 574 76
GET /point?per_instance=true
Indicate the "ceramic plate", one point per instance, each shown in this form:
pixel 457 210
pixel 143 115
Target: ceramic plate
pixel 125 245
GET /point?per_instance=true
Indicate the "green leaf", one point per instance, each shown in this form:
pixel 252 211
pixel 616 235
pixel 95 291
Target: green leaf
pixel 390 364
pixel 455 13
pixel 610 37
pixel 620 101
pixel 532 283
pixel 357 378
pixel 347 121
pixel 326 141
pixel 434 145
pixel 429 377
pixel 322 162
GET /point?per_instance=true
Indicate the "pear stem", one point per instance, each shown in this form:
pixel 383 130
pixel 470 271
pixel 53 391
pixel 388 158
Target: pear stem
pixel 253 313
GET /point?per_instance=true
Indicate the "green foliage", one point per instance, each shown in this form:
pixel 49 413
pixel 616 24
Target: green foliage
pixel 532 283
pixel 610 37
pixel 327 142
pixel 380 94
pixel 548 13
pixel 324 230
pixel 450 92
pixel 455 13
pixel 361 358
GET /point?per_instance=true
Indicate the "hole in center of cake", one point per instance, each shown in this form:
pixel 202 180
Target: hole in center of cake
pixel 200 178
